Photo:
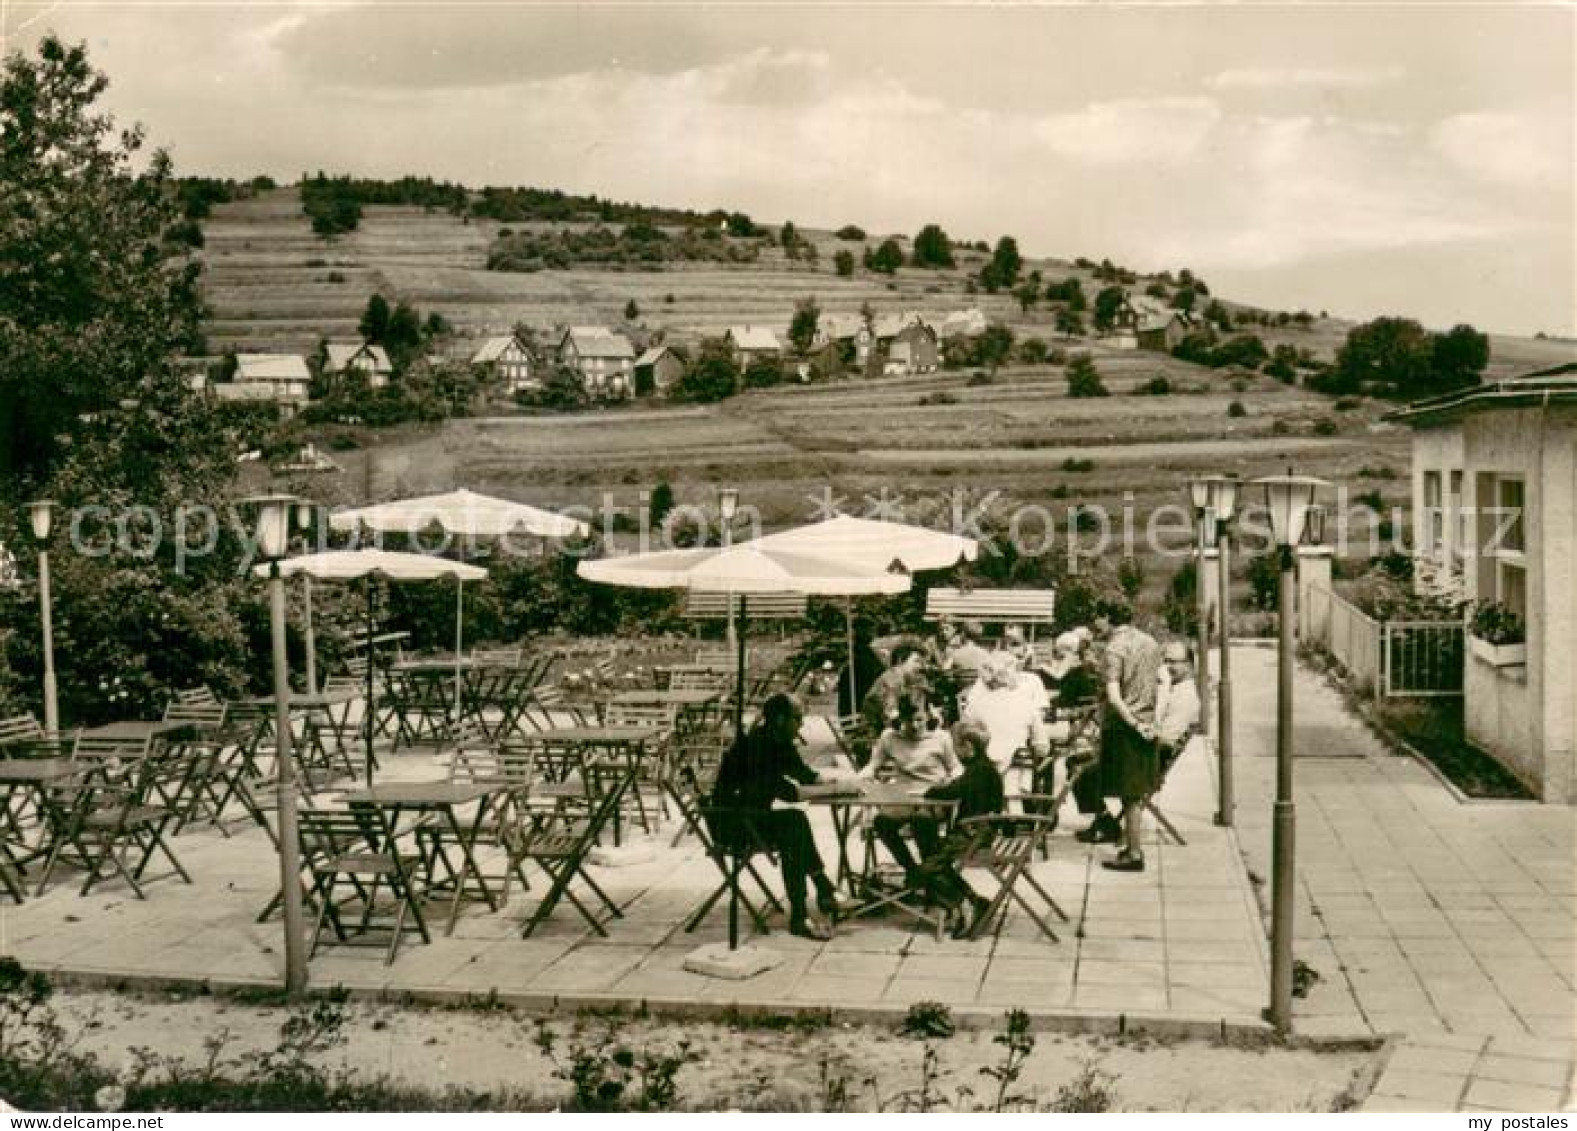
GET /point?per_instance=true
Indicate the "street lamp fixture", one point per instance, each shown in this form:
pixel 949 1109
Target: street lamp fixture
pixel 41 514
pixel 1290 500
pixel 727 506
pixel 275 514
pixel 1197 492
pixel 1221 501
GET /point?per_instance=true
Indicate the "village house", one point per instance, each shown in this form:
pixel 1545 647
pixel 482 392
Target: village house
pixel 371 361
pixel 281 379
pixel 906 343
pixel 657 370
pixel 603 359
pixel 752 342
pixel 507 357
pixel 1495 506
pixel 840 338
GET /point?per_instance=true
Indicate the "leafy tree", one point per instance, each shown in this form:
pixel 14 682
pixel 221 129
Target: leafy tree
pixel 374 325
pixel 886 259
pixel 1107 303
pixel 843 263
pixel 1004 267
pixel 1184 299
pixel 850 232
pixel 802 330
pixel 1033 351
pixel 632 310
pixel 1027 293
pixel 742 226
pixel 1069 323
pixel 436 326
pixel 788 235
pixel 1084 380
pixel 662 501
pixel 763 373
pixel 932 248
pixel 712 376
pixel 1394 352
pixel 1459 357
pixel 994 346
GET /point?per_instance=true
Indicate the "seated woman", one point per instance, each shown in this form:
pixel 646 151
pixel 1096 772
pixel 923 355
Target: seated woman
pixel 978 792
pixel 1010 705
pixel 910 755
pixel 759 769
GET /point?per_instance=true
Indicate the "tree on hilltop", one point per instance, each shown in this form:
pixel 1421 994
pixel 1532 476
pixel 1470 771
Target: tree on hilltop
pixel 932 248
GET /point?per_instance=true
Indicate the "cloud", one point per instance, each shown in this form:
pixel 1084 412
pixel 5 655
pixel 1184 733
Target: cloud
pixel 1261 79
pixel 1130 130
pixel 1514 149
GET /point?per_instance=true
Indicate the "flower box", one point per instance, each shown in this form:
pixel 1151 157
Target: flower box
pixel 1498 655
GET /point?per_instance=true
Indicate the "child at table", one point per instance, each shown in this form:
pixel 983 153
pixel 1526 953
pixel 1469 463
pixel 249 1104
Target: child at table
pixel 911 756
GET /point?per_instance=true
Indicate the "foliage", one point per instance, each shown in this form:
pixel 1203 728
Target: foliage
pixel 1264 580
pixel 994 346
pixel 928 1020
pixel 712 376
pixel 1027 294
pixel 1090 1091
pixel 1069 323
pixel 661 502
pixel 638 246
pixel 763 372
pixel 561 389
pixel 1108 302
pixel 1236 409
pixel 1069 291
pixel 932 248
pixel 802 330
pixel 1033 351
pixel 1004 267
pixel 1084 379
pixel 606 1074
pixel 1130 575
pixel 1157 386
pixel 1495 623
pixel 843 263
pixel 886 259
pixel 742 227
pixel 632 311
pixel 1180 607
pixel 850 232
pixel 1398 357
pixel 1017 1043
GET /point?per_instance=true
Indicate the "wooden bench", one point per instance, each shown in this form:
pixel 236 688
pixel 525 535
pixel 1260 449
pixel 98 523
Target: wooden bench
pixel 1028 607
pixel 20 728
pixel 758 606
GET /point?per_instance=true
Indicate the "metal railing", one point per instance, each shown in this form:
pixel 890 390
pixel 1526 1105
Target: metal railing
pixel 1388 659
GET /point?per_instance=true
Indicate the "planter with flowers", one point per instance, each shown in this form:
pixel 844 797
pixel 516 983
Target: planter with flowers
pixel 1497 636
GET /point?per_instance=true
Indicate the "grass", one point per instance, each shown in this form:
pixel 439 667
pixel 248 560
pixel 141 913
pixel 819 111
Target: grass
pixel 1434 728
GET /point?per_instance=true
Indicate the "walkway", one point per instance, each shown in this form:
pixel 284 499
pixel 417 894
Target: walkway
pixel 1450 922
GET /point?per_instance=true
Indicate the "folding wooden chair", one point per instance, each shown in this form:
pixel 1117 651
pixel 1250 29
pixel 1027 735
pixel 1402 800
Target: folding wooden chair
pixel 1165 825
pixel 558 842
pixel 114 823
pixel 198 716
pixel 733 840
pixel 1005 847
pixel 355 850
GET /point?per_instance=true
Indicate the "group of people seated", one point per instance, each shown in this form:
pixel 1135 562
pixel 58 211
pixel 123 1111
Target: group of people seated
pixel 976 726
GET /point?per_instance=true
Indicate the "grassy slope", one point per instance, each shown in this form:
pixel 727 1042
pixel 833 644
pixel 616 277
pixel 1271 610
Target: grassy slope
pixel 269 286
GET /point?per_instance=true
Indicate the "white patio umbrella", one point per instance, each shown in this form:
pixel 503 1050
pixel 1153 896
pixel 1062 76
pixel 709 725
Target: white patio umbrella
pixel 461 513
pixel 875 545
pixel 391 565
pixel 745 569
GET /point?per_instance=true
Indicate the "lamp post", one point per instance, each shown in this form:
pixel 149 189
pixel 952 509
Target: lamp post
pixel 1199 498
pixel 727 504
pixel 274 516
pixel 1223 499
pixel 1289 499
pixel 42 514
pixel 305 513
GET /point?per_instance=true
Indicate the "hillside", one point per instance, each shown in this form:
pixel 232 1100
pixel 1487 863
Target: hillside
pixel 273 285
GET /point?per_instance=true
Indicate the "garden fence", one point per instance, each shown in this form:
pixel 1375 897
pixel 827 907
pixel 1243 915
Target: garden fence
pixel 1387 659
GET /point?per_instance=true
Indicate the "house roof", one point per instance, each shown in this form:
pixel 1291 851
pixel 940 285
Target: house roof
pixel 971 321
pixel 271 367
pixel 836 327
pixel 598 341
pixel 341 354
pixel 754 338
pixel 1515 392
pixel 246 390
pixel 653 355
pixel 891 325
pixel 494 348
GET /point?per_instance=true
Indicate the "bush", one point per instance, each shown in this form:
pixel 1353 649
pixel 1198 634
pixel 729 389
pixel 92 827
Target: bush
pixel 1347 404
pixel 1084 380
pixel 1236 409
pixel 850 232
pixel 886 259
pixel 1077 466
pixel 843 263
pixel 1325 426
pixel 939 398
pixel 1155 387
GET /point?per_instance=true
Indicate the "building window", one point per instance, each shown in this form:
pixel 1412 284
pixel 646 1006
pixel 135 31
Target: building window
pixel 1459 525
pixel 1434 520
pixel 1502 545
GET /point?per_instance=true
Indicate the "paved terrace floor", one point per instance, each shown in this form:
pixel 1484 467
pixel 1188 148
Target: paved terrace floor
pixel 1182 942
pixel 1449 922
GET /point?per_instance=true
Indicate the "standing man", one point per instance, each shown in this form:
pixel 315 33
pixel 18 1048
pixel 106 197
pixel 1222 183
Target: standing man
pixel 1128 759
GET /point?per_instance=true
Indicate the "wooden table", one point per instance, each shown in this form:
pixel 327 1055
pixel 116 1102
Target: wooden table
pixel 27 779
pixel 440 799
pixel 622 747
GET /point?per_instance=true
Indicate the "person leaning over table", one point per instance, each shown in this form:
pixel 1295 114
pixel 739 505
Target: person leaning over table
pixel 759 769
pixel 978 793
pixel 913 758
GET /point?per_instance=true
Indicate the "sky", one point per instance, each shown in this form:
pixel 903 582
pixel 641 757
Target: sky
pixel 1365 159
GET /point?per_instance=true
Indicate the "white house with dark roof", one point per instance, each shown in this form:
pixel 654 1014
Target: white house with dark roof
pixel 751 342
pixel 282 378
pixel 509 359
pixel 605 360
pixel 371 361
pixel 657 370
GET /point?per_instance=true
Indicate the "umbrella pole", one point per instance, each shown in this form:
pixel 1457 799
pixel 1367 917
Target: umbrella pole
pixel 848 636
pixel 312 640
pixel 739 672
pixel 459 641
pixel 371 660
